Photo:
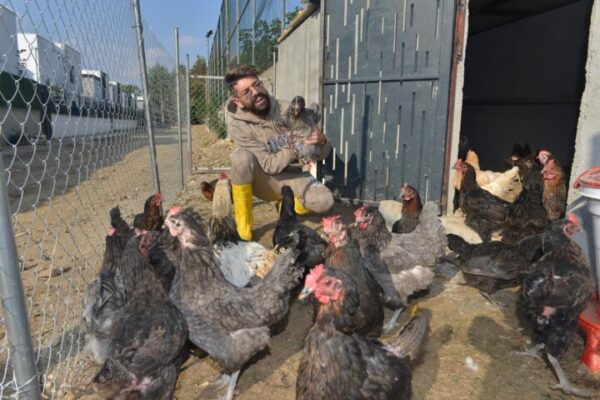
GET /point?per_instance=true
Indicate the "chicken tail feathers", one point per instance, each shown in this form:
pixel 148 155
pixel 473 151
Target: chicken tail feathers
pixel 411 338
pixel 458 245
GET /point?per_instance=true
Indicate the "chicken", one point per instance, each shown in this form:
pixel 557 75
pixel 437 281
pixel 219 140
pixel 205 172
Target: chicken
pixel 400 262
pixel 505 185
pixel 337 365
pixel 411 210
pixel 527 215
pixel 151 219
pixel 228 322
pixel 343 253
pixel 102 301
pixel 208 189
pixel 301 122
pixel 242 262
pixel 146 343
pixel 555 186
pixel 491 266
pixel 484 212
pixel 288 223
pixel 556 292
pixel 519 152
pixel 163 257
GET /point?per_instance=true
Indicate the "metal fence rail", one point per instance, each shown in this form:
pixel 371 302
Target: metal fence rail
pixel 74 143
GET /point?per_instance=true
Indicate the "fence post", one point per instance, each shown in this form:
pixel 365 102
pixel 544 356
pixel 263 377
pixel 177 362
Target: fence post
pixel 189 112
pixel 179 133
pixel 13 305
pixel 142 56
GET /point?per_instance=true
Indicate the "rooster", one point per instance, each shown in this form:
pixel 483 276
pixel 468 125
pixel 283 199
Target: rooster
pixel 151 219
pixel 343 253
pixel 242 262
pixel 228 322
pixel 400 262
pixel 556 292
pixel 337 365
pixel 484 212
pixel 411 210
pixel 555 186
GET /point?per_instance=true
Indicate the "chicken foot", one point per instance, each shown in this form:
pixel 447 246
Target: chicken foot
pixel 391 323
pixel 563 382
pixel 531 352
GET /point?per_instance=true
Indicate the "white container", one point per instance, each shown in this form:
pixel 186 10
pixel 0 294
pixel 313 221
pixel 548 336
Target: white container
pixel 588 184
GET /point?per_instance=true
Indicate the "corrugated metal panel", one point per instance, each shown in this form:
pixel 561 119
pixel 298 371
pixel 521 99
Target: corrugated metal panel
pixel 385 95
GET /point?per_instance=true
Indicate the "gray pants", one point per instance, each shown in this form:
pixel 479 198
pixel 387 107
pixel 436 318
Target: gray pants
pixel 312 194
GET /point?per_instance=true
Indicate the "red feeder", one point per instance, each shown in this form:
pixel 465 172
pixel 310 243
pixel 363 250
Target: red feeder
pixel 589 321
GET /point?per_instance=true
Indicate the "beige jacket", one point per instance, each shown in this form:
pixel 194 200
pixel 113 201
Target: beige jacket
pixel 253 133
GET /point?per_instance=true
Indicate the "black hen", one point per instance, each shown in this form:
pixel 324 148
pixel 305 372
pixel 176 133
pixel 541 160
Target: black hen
pixel 340 366
pixel 484 212
pixel 288 223
pixel 146 343
pixel 556 292
pixel 343 253
pixel 527 215
pixel 491 266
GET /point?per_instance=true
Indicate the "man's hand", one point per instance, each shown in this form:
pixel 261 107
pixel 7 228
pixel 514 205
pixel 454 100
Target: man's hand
pixel 317 138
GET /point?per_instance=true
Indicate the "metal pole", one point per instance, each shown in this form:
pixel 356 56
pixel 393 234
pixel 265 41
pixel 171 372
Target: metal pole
pixel 179 132
pixel 274 74
pixel 13 305
pixel 189 111
pixel 253 30
pixel 282 16
pixel 142 56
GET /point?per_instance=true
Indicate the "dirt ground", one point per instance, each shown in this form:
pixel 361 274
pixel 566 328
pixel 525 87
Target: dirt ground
pixel 468 354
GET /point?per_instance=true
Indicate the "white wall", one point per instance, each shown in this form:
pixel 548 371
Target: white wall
pixel 71 68
pixel 9 52
pixel 69 126
pixel 587 143
pixel 299 62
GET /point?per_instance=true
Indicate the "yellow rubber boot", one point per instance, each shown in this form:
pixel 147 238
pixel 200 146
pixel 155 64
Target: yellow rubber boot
pixel 300 210
pixel 242 206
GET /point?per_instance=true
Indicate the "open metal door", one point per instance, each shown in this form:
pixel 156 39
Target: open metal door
pixel 385 95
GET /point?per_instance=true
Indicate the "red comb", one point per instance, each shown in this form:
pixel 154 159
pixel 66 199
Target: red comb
pixel 158 196
pixel 223 176
pixel 111 231
pixel 174 211
pixel 359 212
pixel 573 219
pixel 313 276
pixel 327 222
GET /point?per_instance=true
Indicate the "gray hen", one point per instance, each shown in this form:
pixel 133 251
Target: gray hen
pixel 228 322
pixel 301 122
pixel 147 340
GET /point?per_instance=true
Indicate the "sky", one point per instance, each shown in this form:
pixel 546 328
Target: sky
pixel 193 18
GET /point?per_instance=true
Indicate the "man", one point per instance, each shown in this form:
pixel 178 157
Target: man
pixel 261 163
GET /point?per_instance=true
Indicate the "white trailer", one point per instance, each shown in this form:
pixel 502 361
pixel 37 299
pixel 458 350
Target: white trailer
pixel 9 49
pixel 95 86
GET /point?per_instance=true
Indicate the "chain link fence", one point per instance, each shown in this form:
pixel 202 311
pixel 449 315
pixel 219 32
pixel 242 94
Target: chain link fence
pixel 73 143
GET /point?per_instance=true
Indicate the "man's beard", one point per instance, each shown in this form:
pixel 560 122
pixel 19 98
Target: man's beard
pixel 264 107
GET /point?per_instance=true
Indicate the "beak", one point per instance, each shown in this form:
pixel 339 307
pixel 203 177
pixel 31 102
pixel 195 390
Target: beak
pixel 305 293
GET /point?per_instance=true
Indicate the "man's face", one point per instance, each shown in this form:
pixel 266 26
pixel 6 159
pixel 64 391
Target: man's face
pixel 250 94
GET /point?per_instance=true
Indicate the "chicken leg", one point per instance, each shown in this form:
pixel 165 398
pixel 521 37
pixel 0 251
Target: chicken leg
pixel 233 378
pixel 563 382
pixel 391 323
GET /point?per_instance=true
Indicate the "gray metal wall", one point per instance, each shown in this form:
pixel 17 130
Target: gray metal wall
pixel 385 95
